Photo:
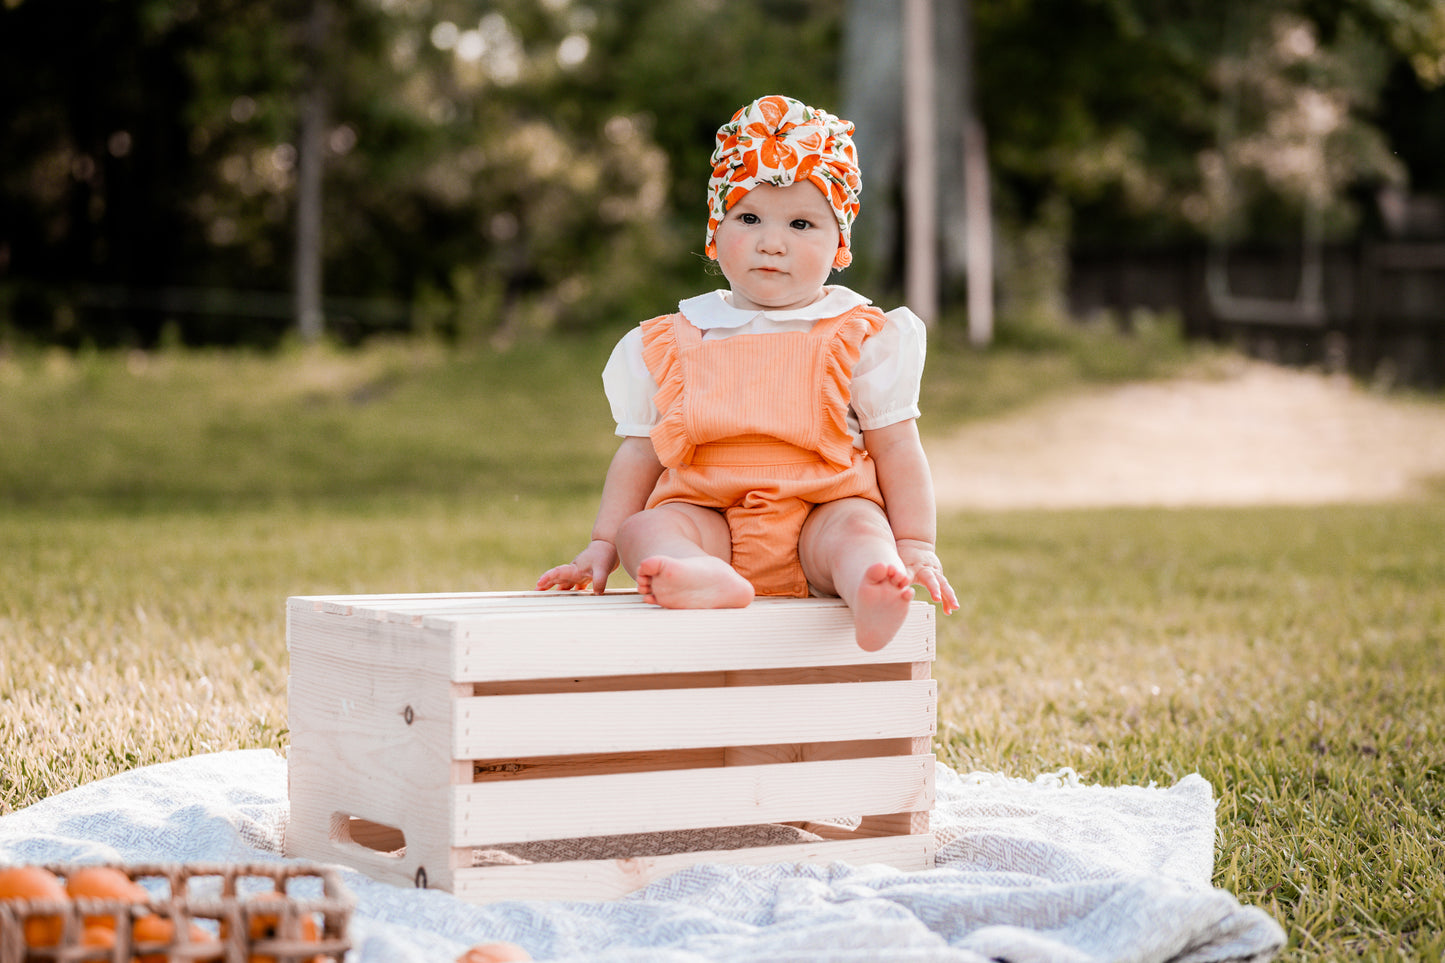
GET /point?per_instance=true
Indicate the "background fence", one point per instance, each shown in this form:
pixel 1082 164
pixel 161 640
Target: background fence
pixel 1377 309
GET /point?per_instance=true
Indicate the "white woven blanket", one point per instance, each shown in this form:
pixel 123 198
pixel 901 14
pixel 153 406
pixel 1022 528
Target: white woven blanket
pixel 1042 870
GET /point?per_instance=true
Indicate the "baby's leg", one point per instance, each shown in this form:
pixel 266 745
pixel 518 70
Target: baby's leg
pixel 678 554
pixel 847 548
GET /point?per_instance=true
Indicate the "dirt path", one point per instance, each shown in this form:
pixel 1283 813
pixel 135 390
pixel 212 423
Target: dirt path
pixel 1259 434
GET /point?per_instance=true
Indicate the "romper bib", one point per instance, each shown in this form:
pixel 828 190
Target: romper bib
pixel 755 425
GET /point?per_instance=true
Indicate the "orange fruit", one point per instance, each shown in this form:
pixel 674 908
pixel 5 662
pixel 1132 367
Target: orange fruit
pixel 105 883
pixel 153 929
pixel 34 882
pixel 98 936
pixel 267 926
pixel 498 952
pixel 160 929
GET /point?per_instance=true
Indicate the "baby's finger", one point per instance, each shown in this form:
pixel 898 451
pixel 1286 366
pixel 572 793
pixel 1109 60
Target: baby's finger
pixel 562 577
pixel 947 596
pixel 938 588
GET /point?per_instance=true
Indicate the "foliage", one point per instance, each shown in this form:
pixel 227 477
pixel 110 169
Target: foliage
pixel 500 168
pixel 1168 118
pixel 493 168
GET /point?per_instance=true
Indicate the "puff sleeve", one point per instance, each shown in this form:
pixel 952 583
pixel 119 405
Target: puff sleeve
pixel 889 372
pixel 630 387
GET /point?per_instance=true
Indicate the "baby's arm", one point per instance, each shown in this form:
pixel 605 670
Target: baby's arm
pixel 907 487
pixel 630 479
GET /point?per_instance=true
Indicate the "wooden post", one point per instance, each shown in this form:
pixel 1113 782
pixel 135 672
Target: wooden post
pixel 978 227
pixel 310 319
pixel 920 275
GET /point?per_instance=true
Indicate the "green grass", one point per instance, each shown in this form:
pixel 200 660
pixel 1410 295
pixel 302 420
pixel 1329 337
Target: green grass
pixel 1290 656
pixel 229 430
pixel 156 511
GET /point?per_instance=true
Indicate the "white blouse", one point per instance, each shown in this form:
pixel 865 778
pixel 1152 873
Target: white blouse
pixel 885 380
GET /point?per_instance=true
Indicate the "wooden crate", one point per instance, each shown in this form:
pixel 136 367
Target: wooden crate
pixel 427 727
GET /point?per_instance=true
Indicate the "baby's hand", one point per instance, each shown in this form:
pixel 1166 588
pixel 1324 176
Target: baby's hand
pixel 925 568
pixel 591 567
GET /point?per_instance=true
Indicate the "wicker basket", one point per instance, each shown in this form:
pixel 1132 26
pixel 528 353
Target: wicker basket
pixel 215 901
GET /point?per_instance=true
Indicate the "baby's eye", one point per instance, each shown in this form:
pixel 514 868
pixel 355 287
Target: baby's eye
pixel 801 224
pixel 748 218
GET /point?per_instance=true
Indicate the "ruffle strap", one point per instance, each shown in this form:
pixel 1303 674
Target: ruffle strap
pixel 661 353
pixel 851 329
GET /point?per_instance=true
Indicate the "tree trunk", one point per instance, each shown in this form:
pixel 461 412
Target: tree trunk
pixel 310 318
pixel 872 84
pixel 977 206
pixel 876 58
pixel 920 170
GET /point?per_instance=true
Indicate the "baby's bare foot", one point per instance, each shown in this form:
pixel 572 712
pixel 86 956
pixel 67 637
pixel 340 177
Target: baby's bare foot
pixel 696 582
pixel 880 606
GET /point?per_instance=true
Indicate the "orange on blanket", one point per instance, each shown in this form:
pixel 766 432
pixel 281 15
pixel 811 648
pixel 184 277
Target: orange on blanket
pixel 494 953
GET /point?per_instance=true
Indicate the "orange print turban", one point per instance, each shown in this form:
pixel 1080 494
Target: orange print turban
pixel 780 141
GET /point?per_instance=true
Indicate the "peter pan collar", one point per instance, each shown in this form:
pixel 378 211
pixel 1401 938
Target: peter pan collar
pixel 712 310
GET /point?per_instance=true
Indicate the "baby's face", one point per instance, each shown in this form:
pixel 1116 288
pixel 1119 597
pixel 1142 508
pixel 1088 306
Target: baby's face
pixel 776 247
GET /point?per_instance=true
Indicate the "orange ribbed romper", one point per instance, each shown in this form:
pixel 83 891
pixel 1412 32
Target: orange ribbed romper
pixel 755 425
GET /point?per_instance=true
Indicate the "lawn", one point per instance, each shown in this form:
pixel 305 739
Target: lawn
pixel 156 511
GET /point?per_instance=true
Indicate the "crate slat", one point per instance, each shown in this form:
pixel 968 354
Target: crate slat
pixel 533 809
pixel 631 640
pixel 612 878
pixel 582 722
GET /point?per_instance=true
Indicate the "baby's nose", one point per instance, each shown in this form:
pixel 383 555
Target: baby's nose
pixel 772 241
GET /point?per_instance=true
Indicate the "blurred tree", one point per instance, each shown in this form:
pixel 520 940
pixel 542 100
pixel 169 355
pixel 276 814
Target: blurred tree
pixel 495 167
pixel 95 152
pixel 1135 122
pixel 491 167
pixel 1117 105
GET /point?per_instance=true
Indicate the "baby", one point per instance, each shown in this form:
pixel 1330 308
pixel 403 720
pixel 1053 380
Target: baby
pixel 769 432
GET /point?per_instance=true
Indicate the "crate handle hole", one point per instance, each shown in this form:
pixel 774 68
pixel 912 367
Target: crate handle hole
pixel 377 837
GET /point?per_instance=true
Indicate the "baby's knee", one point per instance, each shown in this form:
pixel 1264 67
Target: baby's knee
pixel 693 524
pixel 857 518
pixel 635 525
pixel 639 534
